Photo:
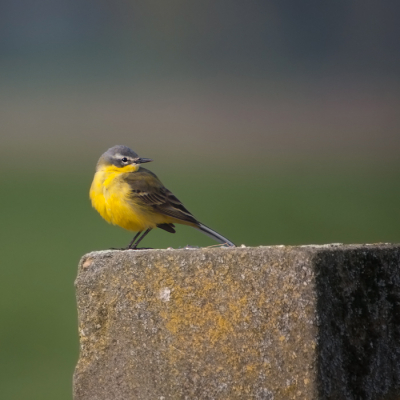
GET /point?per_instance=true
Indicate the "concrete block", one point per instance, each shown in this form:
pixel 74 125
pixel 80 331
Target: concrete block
pixel 307 322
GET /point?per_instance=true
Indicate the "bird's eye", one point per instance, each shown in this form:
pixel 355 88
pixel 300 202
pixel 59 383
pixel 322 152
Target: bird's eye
pixel 124 159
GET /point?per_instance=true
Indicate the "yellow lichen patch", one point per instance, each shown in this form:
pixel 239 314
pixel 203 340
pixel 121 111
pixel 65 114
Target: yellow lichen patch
pixel 197 323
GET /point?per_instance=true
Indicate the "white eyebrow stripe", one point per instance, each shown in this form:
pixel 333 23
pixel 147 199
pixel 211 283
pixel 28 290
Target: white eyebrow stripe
pixel 119 155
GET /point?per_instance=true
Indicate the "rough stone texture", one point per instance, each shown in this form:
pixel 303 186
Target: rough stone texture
pixel 309 322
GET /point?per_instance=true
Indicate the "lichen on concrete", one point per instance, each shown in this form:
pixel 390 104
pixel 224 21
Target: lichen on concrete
pixel 214 323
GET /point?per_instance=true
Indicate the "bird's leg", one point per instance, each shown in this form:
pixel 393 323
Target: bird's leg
pixel 140 239
pixel 133 240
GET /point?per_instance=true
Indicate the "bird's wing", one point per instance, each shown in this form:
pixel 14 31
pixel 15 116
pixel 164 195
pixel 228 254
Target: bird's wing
pixel 148 190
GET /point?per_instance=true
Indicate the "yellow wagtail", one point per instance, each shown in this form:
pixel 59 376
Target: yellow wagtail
pixel 132 197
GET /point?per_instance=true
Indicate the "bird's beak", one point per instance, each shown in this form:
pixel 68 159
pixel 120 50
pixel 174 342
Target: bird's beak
pixel 142 160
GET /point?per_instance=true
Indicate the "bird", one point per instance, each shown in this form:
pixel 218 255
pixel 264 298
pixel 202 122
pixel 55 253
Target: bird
pixel 132 197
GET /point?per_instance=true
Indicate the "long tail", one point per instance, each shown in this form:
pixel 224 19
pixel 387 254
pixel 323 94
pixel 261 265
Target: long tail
pixel 214 235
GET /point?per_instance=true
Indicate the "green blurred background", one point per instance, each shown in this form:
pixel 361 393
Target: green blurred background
pixel 274 122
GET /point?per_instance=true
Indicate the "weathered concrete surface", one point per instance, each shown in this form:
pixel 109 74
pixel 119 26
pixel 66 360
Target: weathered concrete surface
pixel 312 322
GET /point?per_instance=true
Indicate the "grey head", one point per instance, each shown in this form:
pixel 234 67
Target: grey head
pixel 121 156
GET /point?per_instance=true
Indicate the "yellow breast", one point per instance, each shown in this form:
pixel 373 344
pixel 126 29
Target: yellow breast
pixel 109 194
